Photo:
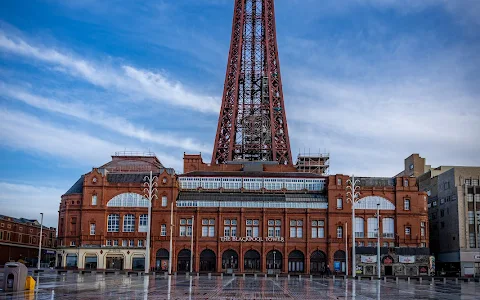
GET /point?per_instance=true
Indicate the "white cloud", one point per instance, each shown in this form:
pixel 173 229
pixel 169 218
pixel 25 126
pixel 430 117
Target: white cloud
pixel 114 123
pixel 27 201
pixel 23 131
pixel 126 79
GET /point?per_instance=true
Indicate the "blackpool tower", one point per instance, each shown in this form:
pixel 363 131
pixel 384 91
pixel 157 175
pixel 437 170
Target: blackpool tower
pixel 252 125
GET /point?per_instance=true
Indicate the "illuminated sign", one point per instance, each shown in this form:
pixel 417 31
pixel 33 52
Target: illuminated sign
pixel 251 239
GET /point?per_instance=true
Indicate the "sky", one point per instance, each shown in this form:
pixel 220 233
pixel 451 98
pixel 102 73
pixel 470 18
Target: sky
pixel 369 82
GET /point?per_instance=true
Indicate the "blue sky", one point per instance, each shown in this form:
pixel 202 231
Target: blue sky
pixel 368 81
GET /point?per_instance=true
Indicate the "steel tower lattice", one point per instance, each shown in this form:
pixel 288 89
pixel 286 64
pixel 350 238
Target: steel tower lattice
pixel 252 124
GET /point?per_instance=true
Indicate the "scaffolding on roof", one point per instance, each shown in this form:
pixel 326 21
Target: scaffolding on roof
pixel 317 163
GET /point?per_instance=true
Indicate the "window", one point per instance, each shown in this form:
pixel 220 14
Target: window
pixel 92 229
pixel 124 243
pixel 131 243
pixel 372 227
pixel 72 243
pixel 143 223
pixel 471 217
pixel 408 230
pixel 94 199
pixel 109 242
pixel 477 198
pixel 274 228
pixel 318 229
pixel 208 227
pixel 359 227
pixel 471 239
pixel 140 243
pixel 128 223
pixel 388 227
pixel 467 181
pixel 405 182
pixel 385 244
pixel 422 228
pixel 339 181
pixel 474 181
pixel 19 238
pixel 470 197
pixel 423 245
pixel 230 227
pixel 339 232
pixel 163 230
pixel 406 204
pixel 185 227
pixel 115 243
pixel 296 228
pixel 113 223
pixel 339 203
pixel 252 228
pixel 164 200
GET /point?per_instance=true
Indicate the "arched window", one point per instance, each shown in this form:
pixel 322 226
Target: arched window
pixel 370 202
pixel 339 232
pixel 128 223
pixel 113 223
pixel 128 200
pixel 359 227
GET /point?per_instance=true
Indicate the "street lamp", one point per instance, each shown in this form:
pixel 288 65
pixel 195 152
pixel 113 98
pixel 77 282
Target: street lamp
pixel 171 240
pixel 378 239
pixel 150 193
pixel 191 247
pixel 274 262
pixel 353 196
pixel 40 243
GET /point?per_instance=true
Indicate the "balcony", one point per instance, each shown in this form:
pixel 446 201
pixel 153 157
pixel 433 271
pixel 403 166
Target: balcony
pixel 359 234
pixel 372 235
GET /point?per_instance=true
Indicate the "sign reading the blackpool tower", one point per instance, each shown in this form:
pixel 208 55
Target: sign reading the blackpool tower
pixel 251 239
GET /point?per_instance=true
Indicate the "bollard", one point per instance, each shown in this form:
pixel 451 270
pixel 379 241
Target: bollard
pixel 265 275
pixel 299 277
pixel 233 275
pixel 221 275
pixel 243 275
pixel 276 277
pixel 396 280
pixel 198 275
pixel 333 277
pixel 408 279
pixel 420 279
pixel 433 280
pixel 175 274
pixel 255 276
pixel 288 276
pixel 456 280
pixel 311 277
pixel 384 279
pixel 444 280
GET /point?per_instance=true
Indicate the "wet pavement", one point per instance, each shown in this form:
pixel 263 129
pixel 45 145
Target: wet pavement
pixel 77 286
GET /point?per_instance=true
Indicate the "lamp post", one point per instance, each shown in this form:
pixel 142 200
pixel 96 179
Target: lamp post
pixel 378 240
pixel 150 193
pixel 191 247
pixel 40 242
pixel 274 262
pixel 171 240
pixel 346 248
pixel 353 196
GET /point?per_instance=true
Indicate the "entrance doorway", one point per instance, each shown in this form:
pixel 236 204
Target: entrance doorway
pixel 274 261
pixel 339 259
pixel 318 262
pixel 208 261
pixel 252 261
pixel 388 270
pixel 230 261
pixel 183 264
pixel 91 262
pixel 115 263
pixel 296 261
pixel 161 260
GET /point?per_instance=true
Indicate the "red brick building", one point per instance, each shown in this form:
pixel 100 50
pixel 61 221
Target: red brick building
pixel 19 241
pixel 248 217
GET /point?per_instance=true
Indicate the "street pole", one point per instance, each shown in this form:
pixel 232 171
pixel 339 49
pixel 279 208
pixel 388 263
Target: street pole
pixel 353 196
pixel 346 249
pixel 171 240
pixel 378 240
pixel 274 265
pixel 151 193
pixel 40 243
pixel 191 247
